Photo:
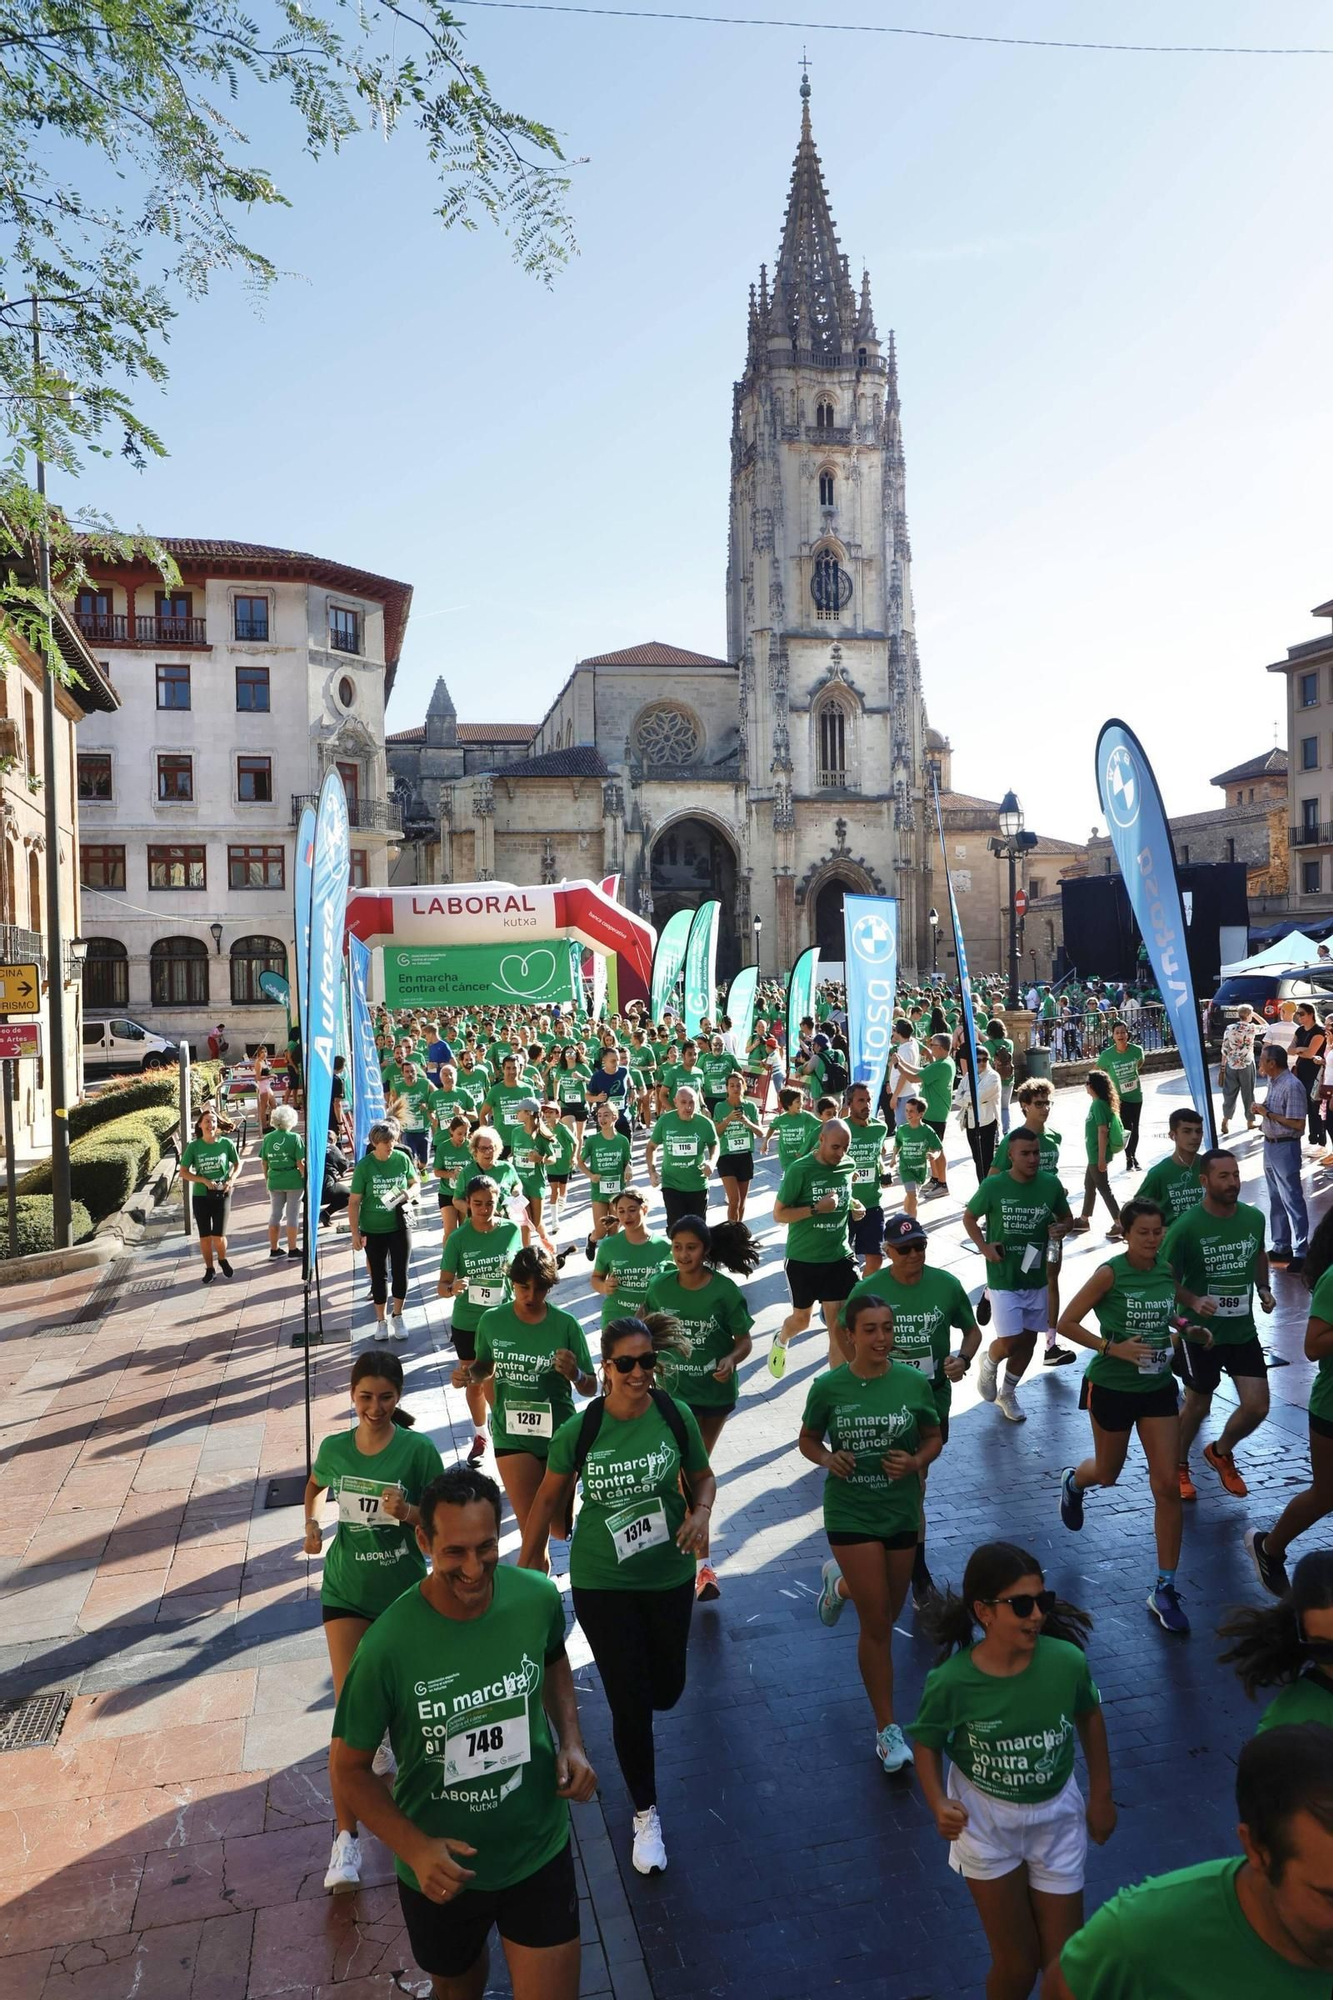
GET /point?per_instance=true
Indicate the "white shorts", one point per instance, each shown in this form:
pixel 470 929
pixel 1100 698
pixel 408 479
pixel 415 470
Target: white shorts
pixel 1049 1838
pixel 1018 1312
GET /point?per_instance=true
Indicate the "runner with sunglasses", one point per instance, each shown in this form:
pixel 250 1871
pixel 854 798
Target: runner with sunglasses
pixel 632 1560
pixel 1289 1646
pixel 1005 1709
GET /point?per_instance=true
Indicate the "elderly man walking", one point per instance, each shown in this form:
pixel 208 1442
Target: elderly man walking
pixel 1283 1111
pixel 1235 1072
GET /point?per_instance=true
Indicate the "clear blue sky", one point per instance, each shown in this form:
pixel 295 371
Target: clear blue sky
pixel 1111 284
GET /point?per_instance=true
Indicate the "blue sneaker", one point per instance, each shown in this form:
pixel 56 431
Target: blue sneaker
pixel 1071 1500
pixel 891 1747
pixel 1164 1603
pixel 830 1604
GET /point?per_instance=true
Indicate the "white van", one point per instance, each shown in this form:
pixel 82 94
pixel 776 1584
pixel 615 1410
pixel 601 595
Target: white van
pixel 114 1041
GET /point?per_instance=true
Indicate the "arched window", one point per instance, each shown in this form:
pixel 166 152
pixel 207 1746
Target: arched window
pixel 106 975
pixel 830 586
pixel 34 892
pixel 860 357
pixel 826 489
pixel 826 415
pixel 178 972
pixel 833 733
pixel 249 957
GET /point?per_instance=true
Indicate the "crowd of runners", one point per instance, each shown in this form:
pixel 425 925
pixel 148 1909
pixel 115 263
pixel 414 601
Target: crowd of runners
pixel 458 1743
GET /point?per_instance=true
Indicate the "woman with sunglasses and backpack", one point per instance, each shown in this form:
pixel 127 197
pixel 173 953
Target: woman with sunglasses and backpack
pixel 648 1493
pixel 1005 1709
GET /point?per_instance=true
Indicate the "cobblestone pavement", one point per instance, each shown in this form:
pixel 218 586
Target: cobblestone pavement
pixel 171 1845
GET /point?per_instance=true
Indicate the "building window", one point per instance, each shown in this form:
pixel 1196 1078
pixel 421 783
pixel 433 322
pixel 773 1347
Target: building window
pixel 177 868
pixel 1036 888
pixel 1107 865
pixel 830 586
pixel 1307 690
pixel 351 777
pixel 1251 794
pixel 1310 871
pixel 1309 815
pixel 826 489
pixel 92 614
pixel 174 621
pixel 175 778
pixel 256 867
pixel 254 780
pixel 249 957
pixel 106 975
pixel 1231 849
pixel 29 735
pixel 833 745
pixel 95 774
pixel 173 687
pixel 347 691
pixel 1184 857
pixel 251 619
pixel 178 972
pixel 252 690
pixel 344 629
pixel 1309 753
pixel 825 415
pixel 102 867
pixel 360 874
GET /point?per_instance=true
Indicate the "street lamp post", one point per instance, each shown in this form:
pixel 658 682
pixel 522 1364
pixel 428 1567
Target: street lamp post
pixel 758 929
pixel 933 919
pixel 1012 843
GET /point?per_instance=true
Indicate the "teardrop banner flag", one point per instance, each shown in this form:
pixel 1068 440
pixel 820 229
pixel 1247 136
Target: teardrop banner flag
pixel 668 960
pixel 969 1011
pixel 800 1000
pixel 1136 824
pixel 305 863
pixel 319 1028
pixel 701 967
pixel 367 1082
pixel 740 1004
pixel 871 972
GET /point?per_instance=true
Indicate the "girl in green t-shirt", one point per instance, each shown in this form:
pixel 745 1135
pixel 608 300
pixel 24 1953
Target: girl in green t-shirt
pixel 1006 1709
pixel 628 1260
pixel 738 1132
pixel 529 1150
pixel 559 1161
pixel 474 1273
pixel 210 1166
pixel 376 1473
pixel 382 1181
pixel 1105 1137
pixel 605 1158
pixel 450 1157
pixel 567 1083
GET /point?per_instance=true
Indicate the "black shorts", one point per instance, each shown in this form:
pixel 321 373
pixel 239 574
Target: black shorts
pixel 578 1111
pixel 700 1410
pixel 558 1180
pixel 212 1213
pixel 867 1235
pixel 810 1284
pixel 939 1126
pixel 1320 1426
pixel 907 1540
pixel 465 1343
pixel 329 1612
pixel 1121 1409
pixel 1201 1368
pixel 537 1913
pixel 736 1166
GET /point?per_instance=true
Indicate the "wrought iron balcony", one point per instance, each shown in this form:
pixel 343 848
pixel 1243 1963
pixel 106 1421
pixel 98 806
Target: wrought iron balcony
pixel 113 628
pixel 252 630
pixel 1315 833
pixel 363 815
pixel 345 642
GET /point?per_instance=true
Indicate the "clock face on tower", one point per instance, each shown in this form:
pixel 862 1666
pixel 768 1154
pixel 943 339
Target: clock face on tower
pixel 830 586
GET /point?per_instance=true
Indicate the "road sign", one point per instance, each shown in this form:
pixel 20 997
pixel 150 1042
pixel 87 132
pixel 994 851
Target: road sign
pixel 1020 902
pixel 20 990
pixel 20 1038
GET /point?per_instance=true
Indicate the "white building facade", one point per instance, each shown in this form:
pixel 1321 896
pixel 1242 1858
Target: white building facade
pixel 238 691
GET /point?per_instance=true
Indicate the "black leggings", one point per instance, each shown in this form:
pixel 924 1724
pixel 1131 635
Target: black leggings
pixel 981 1139
pixel 638 1639
pixel 1130 1114
pixel 680 1202
pixel 388 1247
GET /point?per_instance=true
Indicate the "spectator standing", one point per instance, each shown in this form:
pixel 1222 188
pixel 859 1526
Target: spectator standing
pixel 1235 1073
pixel 1283 1112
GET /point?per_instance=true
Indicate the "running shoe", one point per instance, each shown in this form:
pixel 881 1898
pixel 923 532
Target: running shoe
pixel 590 1249
pixel 706 1585
pixel 1071 1500
pixel 1224 1465
pixel 276 1253
pixel 344 1870
pixel 384 1764
pixel 1296 1263
pixel 1008 1405
pixel 225 1268
pixel 393 1327
pixel 777 1359
pixel 1271 1570
pixel 296 1253
pixel 1164 1603
pixel 892 1748
pixel 476 1451
pixel 1188 1490
pixel 987 1371
pixel 983 1309
pixel 1057 1356
pixel 208 1276
pixel 649 1852
pixel 830 1603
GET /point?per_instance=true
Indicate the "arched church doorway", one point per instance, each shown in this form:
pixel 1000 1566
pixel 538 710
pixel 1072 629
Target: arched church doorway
pixel 692 862
pixel 828 920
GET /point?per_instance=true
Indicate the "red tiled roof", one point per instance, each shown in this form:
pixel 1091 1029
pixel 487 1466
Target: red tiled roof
pixel 417 735
pixel 653 654
pixel 581 760
pixel 496 732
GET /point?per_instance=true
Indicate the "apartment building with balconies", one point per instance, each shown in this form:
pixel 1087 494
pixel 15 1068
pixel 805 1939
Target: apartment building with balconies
pixel 1308 668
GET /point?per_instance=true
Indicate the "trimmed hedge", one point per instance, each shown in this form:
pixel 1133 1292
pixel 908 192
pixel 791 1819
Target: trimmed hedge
pixel 35 1231
pixel 107 1167
pixel 120 1096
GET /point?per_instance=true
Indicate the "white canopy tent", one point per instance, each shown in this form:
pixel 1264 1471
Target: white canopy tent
pixel 1294 949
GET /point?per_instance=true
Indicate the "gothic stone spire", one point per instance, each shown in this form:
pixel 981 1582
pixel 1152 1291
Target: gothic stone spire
pixel 813 299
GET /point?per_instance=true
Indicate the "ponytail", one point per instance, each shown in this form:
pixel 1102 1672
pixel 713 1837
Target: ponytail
pixel 728 1245
pixel 991 1570
pixel 1269 1643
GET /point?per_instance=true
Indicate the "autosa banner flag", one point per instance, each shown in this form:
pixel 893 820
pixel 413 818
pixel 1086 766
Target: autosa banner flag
pixel 1137 825
pixel 305 862
pixel 969 1011
pixel 701 967
pixel 800 1000
pixel 319 1027
pixel 367 1083
pixel 871 972
pixel 668 960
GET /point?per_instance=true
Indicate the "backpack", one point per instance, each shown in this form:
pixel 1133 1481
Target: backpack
pixel 835 1077
pixel 1004 1064
pixel 592 1424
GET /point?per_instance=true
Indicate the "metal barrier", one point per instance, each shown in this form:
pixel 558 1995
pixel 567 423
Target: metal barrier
pixel 1075 1038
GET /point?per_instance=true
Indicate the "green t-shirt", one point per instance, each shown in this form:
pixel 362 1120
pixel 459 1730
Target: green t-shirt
pixel 562 1153
pixel 532 1398
pixel 377 1182
pixel 625 1530
pixel 713 1320
pixel 1123 1070
pixel 914 1146
pixel 1011 1735
pixel 634 1266
pixel 372 1558
pixel 732 1135
pixel 215 1159
pixel 473 1084
pixel 870 1417
pixel 794 1133
pixel 676 1074
pixel 1048 1151
pixel 1216 1254
pixel 1321 1389
pixel 864 1151
pixel 820 1239
pixel 1174 1188
pixel 935 1085
pixel 528 1152
pixel 449 1161
pixel 995 1046
pixel 481 1257
pixel 1182 1936
pixel 282 1154
pixel 462 1702
pixel 1309 1698
pixel 1100 1114
pixel 607 1162
pixel 502 1097
pixel 922 1316
pixel 417 1099
pixel 447 1104
pixel 1017 1215
pixel 1139 1306
pixel 716 1069
pixel 683 1148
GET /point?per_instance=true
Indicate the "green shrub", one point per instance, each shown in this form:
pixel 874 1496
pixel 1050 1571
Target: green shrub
pixel 35 1231
pixel 119 1097
pixel 108 1166
pixel 161 1119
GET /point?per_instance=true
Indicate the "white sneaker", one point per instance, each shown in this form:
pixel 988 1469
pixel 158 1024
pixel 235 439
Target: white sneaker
pixel 1008 1406
pixel 385 1764
pixel 987 1371
pixel 344 1874
pixel 649 1853
pixel 393 1327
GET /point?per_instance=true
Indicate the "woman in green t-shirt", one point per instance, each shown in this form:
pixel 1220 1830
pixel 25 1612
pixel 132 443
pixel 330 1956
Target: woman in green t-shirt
pixel 559 1161
pixel 567 1082
pixel 382 1181
pixel 1105 1137
pixel 605 1158
pixel 628 1260
pixel 1288 1645
pixel 282 1150
pixel 1314 1503
pixel 529 1150
pixel 210 1166
pixel 1006 1709
pixel 450 1157
pixel 376 1473
pixel 474 1273
pixel 485 1146
pixel 738 1128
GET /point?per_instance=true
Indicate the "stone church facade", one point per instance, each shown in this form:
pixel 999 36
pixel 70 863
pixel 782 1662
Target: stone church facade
pixel 796 769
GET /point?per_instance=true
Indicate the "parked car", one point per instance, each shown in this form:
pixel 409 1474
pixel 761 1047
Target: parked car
pixel 115 1041
pixel 1267 992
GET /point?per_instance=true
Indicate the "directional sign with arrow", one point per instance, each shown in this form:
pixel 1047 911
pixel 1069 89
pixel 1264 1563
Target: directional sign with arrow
pixel 20 990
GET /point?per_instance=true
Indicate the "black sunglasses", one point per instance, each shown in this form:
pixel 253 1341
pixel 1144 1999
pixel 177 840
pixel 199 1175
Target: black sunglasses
pixel 1023 1602
pixel 625 1364
pixel 910 1249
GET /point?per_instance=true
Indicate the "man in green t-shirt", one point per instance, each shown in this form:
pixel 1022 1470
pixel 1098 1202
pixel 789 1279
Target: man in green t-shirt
pixel 1024 1211
pixel 935 1085
pixel 469 1676
pixel 866 1150
pixel 687 1142
pixel 793 1131
pixel 1122 1060
pixel 1216 1251
pixel 1174 1183
pixel 1257 1927
pixel 815 1204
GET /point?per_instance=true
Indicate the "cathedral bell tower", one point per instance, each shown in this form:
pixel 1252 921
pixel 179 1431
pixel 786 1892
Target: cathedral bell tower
pixel 819 598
